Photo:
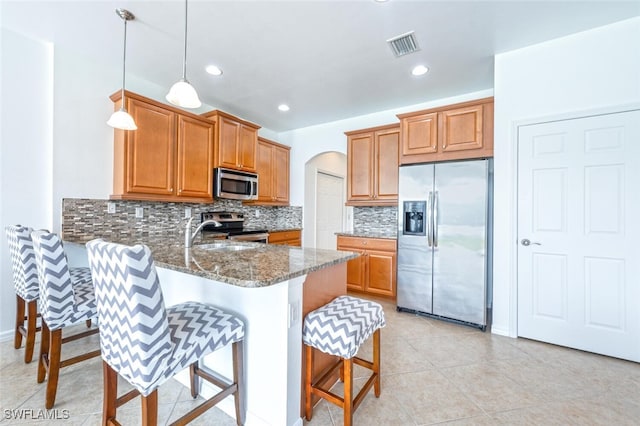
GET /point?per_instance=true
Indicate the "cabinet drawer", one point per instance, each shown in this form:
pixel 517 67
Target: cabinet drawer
pixel 285 236
pixel 365 243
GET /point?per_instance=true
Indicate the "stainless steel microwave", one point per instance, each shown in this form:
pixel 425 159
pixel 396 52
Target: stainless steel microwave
pixel 234 184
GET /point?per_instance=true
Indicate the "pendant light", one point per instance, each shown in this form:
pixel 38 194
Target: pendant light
pixel 182 93
pixel 121 118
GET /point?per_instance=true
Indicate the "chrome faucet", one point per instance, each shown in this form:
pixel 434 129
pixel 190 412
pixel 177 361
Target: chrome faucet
pixel 189 237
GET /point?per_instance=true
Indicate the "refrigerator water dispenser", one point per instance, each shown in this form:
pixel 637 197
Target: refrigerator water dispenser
pixel 415 218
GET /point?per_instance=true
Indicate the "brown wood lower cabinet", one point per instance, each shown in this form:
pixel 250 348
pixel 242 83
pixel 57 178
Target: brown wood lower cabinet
pixel 288 238
pixel 374 272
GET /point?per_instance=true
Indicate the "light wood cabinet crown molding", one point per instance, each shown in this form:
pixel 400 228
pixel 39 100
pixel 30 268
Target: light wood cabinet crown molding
pixel 117 96
pixel 216 113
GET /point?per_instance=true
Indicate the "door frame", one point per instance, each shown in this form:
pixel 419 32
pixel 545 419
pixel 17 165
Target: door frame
pixel 512 228
pixel 317 171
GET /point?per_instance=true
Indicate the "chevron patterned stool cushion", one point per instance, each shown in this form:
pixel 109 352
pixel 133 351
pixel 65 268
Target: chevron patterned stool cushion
pixel 142 341
pixel 341 326
pixel 66 294
pixel 198 329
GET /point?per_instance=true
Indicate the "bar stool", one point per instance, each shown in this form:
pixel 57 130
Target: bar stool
pixel 147 344
pixel 27 286
pixel 66 299
pixel 339 328
pixel 25 282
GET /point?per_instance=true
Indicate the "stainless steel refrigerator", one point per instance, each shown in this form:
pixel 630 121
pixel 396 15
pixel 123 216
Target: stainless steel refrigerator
pixel 444 245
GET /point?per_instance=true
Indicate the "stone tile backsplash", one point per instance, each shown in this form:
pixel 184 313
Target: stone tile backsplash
pixel 383 220
pixel 81 216
pixel 89 217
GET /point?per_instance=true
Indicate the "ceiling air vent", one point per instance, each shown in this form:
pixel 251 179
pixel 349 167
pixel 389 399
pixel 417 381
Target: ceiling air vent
pixel 404 44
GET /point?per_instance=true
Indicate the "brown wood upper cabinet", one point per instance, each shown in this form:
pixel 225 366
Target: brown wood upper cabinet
pixel 453 132
pixel 273 173
pixel 168 158
pixel 235 141
pixel 372 166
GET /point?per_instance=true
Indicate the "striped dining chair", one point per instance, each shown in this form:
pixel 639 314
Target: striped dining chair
pixel 66 299
pixel 25 283
pixel 147 344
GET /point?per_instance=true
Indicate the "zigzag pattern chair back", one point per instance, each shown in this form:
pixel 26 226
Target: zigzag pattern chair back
pixel 56 288
pixel 135 337
pixel 23 262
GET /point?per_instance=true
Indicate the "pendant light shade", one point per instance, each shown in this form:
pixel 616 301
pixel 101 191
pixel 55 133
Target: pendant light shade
pixel 182 93
pixel 121 119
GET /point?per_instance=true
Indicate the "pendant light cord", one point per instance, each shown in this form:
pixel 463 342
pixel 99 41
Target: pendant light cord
pixel 124 62
pixel 184 62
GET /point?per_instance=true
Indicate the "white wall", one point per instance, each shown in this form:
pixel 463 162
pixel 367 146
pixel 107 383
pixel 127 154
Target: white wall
pixel 585 71
pixel 83 142
pixel 25 150
pixel 55 140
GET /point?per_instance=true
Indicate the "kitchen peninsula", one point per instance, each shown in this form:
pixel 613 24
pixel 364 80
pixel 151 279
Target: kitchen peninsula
pixel 271 287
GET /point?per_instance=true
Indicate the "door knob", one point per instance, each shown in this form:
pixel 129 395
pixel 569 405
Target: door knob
pixel 525 242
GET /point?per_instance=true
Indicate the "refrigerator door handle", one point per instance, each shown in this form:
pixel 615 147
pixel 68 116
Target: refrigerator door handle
pixel 435 219
pixel 429 221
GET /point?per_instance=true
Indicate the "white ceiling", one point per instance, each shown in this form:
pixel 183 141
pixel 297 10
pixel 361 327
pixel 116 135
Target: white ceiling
pixel 328 60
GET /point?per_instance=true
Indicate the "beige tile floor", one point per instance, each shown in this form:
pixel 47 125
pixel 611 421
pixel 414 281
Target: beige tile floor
pixel 432 372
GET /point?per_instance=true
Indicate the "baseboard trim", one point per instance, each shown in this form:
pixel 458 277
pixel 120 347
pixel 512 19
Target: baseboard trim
pixel 6 335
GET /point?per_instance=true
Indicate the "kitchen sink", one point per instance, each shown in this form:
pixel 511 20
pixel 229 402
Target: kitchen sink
pixel 223 247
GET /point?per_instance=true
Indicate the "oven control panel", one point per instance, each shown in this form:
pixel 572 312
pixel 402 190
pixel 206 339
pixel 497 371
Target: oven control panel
pixel 223 216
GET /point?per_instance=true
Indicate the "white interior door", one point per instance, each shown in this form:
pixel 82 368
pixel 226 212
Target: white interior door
pixel 579 233
pixel 329 209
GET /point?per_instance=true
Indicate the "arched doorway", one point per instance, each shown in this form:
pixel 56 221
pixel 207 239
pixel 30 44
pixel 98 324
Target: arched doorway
pixel 325 195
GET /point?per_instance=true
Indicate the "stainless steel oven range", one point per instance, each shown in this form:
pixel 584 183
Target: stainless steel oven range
pixel 233 226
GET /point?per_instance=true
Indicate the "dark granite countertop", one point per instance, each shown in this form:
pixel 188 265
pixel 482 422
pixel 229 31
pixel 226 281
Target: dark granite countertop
pixel 283 229
pixel 259 265
pixel 370 234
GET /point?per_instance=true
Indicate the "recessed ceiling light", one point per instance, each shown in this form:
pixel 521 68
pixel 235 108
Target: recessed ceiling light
pixel 283 107
pixel 419 70
pixel 213 70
